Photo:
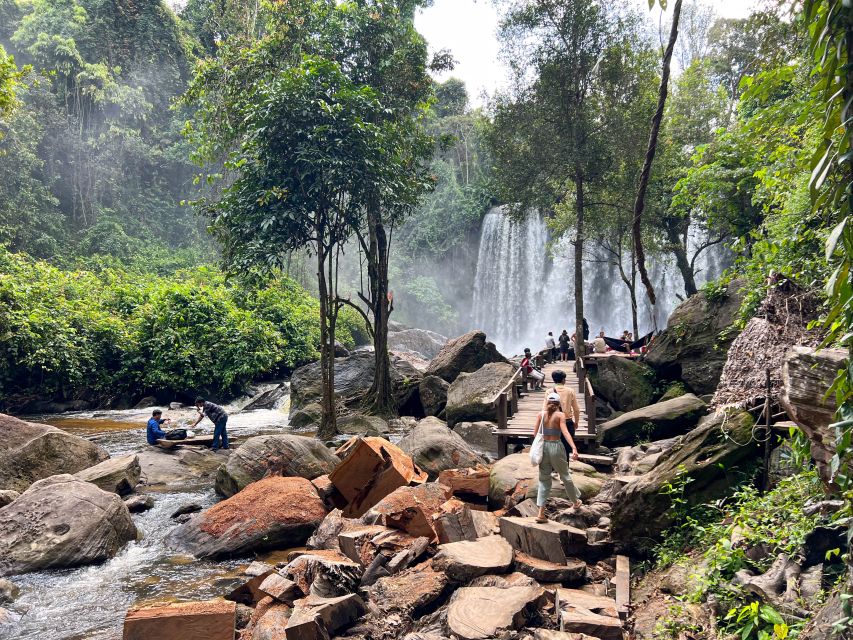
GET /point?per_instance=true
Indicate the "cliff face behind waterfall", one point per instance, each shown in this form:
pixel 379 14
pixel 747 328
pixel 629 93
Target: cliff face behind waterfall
pixel 524 288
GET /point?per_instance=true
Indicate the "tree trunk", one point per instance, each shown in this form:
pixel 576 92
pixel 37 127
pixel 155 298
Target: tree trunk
pixel 328 420
pixel 580 345
pixel 377 261
pixel 683 262
pixel 633 289
pixel 640 203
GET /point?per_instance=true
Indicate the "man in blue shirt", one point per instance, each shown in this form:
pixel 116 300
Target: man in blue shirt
pixel 218 417
pixel 153 432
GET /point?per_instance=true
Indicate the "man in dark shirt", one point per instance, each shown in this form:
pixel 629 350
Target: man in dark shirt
pixel 153 432
pixel 218 417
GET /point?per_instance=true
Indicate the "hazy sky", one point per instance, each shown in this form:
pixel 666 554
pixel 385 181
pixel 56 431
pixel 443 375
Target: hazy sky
pixel 467 28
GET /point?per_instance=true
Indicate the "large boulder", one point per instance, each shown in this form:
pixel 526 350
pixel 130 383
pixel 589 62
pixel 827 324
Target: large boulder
pixel 695 343
pixel 706 461
pixel 433 393
pixel 435 448
pixel 471 395
pixel 273 513
pixel 62 521
pixel 479 435
pixel 360 424
pixel 806 377
pixel 424 343
pixel 282 454
pixel 30 451
pixel 179 469
pixel 353 379
pixel 464 354
pixel 626 384
pixel 515 477
pixel 119 475
pixel 655 422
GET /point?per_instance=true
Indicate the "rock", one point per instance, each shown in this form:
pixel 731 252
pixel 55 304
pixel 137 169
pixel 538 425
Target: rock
pixel 316 618
pixel 287 455
pixel 806 376
pixel 174 406
pixel 478 613
pixel 410 592
pixel 326 574
pixel 118 475
pixel 180 469
pixel 674 391
pixel 572 572
pixel 62 522
pixel 7 496
pixel 138 503
pixel 626 384
pixel 364 544
pixel 306 417
pixel 353 379
pixel 821 540
pixel 469 485
pixel 551 541
pixel 695 343
pixel 577 598
pixel 479 435
pixel 327 492
pixel 273 513
pixel 272 625
pixel 435 448
pixel 462 561
pixel 515 476
pixel 146 403
pixel 373 469
pixel 433 393
pixel 211 620
pixel 249 593
pixel 655 422
pixel 471 395
pixel 464 354
pixel 268 399
pixel 549 634
pixel 360 424
pixel 9 591
pixel 426 344
pixel 706 458
pixel 822 625
pixel 192 507
pixel 643 457
pixel 332 526
pixel 30 451
pixel 410 509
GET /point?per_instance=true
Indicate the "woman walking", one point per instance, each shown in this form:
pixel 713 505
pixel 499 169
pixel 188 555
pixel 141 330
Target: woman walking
pixel 552 421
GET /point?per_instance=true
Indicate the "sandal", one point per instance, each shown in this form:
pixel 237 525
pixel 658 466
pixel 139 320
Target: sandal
pixel 577 505
pixel 541 520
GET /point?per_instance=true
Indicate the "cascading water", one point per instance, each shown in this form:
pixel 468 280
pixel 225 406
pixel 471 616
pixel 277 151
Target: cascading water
pixel 521 293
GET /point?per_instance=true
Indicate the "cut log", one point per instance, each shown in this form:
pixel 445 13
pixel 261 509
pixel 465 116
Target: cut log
pixel 249 592
pixel 356 544
pixel 550 541
pixel 410 509
pixel 325 574
pixel 572 572
pixel 372 469
pixel 622 581
pixel 462 561
pixel 328 493
pixel 278 587
pixel 580 620
pixel 578 599
pixel 211 620
pixel 407 557
pixel 316 618
pixel 410 592
pixel 485 523
pixel 524 509
pixel 478 613
pixel 550 634
pixel 469 485
pixel 454 523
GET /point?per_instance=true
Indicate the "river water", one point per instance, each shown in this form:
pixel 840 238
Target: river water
pixel 90 602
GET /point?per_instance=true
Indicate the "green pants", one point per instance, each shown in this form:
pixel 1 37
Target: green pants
pixel 554 457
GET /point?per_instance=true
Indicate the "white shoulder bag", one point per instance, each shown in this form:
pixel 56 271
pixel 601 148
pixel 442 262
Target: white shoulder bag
pixel 537 450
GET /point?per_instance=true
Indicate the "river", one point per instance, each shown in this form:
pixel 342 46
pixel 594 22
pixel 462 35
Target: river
pixel 90 602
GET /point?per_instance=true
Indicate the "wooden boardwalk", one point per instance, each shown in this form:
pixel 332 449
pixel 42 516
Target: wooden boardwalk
pixel 520 424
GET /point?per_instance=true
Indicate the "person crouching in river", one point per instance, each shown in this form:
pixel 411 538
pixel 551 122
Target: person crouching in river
pixel 553 423
pixel 218 417
pixel 153 432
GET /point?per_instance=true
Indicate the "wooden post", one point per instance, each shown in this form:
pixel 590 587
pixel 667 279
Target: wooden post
pixel 591 418
pixel 513 403
pixel 502 411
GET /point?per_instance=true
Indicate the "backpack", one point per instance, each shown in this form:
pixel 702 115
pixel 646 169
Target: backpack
pixel 177 434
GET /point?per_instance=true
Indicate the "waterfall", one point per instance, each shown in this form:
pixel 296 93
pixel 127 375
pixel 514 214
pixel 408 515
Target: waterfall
pixel 521 292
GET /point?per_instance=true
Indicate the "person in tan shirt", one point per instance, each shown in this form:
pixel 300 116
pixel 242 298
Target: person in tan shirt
pixel 568 403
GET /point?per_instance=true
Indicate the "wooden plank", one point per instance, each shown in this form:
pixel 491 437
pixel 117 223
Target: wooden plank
pixel 622 582
pixel 211 620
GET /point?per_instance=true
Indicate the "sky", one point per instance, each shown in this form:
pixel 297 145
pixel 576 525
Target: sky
pixel 468 29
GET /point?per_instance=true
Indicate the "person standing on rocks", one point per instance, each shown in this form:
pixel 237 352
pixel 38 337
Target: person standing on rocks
pixel 551 346
pixel 552 421
pixel 218 416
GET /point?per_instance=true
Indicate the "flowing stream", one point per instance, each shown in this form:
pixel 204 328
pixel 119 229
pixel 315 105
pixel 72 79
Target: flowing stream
pixel 90 602
pixel 523 289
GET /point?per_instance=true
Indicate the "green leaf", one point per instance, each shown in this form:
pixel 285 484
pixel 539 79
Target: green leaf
pixel 832 241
